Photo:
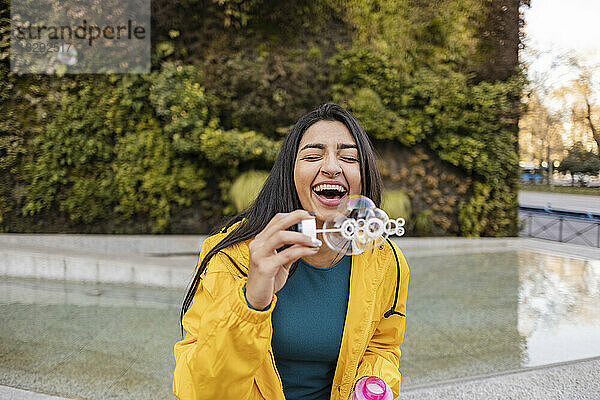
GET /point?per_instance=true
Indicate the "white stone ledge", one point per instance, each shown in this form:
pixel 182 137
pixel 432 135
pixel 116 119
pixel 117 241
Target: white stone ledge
pixel 148 271
pixel 28 259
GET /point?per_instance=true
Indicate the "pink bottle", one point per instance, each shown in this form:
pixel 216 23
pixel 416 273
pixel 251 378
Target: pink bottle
pixel 372 388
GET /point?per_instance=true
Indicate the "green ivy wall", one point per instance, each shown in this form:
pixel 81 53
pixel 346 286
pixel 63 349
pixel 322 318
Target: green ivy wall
pixel 437 87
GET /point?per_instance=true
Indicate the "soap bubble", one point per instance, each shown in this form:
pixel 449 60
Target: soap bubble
pixel 359 226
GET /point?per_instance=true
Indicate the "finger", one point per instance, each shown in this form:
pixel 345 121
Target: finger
pixel 288 265
pixel 291 254
pixel 268 246
pixel 282 221
pixel 290 238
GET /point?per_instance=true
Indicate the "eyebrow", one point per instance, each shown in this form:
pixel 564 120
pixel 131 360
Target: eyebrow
pixel 340 146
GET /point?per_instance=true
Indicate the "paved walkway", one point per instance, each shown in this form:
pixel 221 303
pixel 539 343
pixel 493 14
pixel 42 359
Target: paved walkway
pixel 9 393
pixel 576 380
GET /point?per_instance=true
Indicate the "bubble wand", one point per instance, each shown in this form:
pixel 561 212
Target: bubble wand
pixel 359 223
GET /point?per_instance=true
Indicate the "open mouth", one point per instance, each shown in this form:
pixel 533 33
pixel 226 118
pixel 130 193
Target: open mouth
pixel 330 194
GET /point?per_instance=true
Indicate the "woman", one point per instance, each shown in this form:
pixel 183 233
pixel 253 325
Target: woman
pixel 339 318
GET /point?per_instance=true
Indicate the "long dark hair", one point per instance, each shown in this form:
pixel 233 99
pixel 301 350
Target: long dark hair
pixel 278 194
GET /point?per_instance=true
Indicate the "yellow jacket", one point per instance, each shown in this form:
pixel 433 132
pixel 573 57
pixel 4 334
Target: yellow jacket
pixel 227 354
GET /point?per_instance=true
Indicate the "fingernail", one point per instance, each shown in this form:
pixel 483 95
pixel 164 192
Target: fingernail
pixel 312 213
pixel 316 242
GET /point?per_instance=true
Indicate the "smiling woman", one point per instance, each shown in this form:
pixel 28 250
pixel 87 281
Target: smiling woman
pixel 252 331
pixel 326 172
pixel 327 168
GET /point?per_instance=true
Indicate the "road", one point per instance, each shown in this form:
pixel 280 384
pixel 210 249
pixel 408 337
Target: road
pixel 552 228
pixel 575 202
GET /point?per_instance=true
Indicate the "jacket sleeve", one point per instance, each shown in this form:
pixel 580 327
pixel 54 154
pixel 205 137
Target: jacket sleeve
pixel 226 341
pixel 382 355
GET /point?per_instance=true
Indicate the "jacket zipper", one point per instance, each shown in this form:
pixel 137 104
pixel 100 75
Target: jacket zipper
pixel 354 366
pixel 276 372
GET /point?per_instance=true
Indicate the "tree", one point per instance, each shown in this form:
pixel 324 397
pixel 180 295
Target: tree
pixel 541 126
pixel 580 162
pixel 579 96
pixel 540 130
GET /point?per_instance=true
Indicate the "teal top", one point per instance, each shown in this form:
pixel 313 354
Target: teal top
pixel 308 322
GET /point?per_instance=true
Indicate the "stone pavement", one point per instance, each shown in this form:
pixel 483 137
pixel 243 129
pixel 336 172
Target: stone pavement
pixel 574 380
pixel 9 393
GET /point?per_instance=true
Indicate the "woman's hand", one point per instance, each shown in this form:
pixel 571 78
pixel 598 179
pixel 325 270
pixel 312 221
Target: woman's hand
pixel 268 270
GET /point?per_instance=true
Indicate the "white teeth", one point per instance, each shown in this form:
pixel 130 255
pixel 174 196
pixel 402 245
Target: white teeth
pixel 339 188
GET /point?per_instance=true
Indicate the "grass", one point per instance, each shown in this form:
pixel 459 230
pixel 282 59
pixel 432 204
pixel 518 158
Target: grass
pixel 594 191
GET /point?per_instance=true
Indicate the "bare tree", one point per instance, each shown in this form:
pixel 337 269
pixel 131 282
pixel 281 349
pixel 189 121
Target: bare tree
pixel 540 127
pixel 579 95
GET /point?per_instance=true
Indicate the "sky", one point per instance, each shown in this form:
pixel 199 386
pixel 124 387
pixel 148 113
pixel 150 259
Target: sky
pixel 555 27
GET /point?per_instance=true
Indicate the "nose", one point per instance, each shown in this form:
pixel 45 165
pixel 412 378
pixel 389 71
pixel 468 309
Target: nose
pixel 331 167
